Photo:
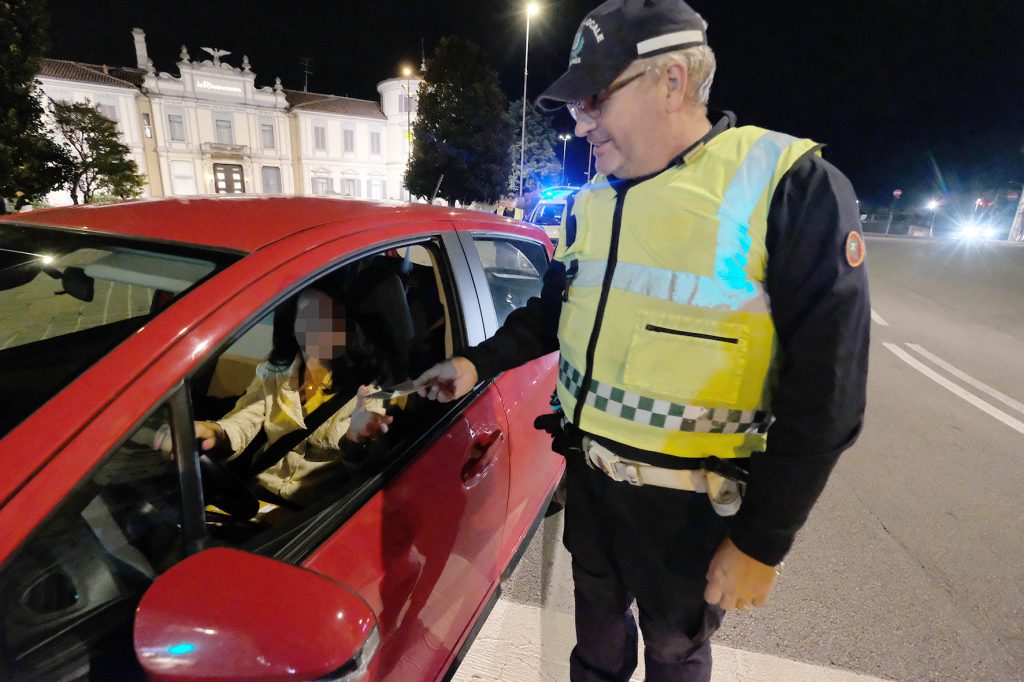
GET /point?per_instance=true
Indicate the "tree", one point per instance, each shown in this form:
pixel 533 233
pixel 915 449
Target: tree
pixel 97 159
pixel 462 129
pixel 542 165
pixel 30 162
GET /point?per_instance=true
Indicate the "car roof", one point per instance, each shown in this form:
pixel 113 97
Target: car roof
pixel 244 224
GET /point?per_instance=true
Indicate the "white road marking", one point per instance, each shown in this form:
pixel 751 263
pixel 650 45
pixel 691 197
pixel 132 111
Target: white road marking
pixel 878 319
pixel 954 389
pixel 526 643
pixel 967 378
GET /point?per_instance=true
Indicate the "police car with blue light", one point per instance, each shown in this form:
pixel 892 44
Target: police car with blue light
pixel 547 214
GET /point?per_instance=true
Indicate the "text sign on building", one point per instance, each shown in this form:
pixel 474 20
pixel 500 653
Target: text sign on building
pixel 217 87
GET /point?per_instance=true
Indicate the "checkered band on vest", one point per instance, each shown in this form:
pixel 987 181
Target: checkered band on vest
pixel 662 413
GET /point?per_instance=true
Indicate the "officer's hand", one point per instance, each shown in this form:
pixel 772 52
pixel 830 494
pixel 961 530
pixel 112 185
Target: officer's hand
pixel 448 380
pixel 738 581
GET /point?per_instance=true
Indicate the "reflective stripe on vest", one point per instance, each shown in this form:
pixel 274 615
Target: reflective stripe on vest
pixel 661 413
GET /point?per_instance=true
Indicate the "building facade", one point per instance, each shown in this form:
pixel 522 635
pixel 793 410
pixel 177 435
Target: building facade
pixel 211 130
pixel 117 94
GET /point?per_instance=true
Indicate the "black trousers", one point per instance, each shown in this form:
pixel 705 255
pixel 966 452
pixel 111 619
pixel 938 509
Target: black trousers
pixel 645 543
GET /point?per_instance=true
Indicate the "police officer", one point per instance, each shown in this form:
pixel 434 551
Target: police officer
pixel 711 311
pixel 507 207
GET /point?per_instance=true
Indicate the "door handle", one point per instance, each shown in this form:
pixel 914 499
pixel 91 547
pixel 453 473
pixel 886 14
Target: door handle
pixel 482 454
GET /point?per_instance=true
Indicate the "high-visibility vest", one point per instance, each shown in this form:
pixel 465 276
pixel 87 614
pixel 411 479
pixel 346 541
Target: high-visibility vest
pixel 666 339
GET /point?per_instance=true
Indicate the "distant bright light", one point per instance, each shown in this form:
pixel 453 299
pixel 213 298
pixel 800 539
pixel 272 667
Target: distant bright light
pixel 932 205
pixel 532 9
pixel 406 71
pixel 181 649
pixel 47 260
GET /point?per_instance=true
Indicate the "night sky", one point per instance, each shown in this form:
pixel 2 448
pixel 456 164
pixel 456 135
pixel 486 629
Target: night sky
pixel 918 95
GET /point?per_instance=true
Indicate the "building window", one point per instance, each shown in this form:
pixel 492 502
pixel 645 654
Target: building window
pixel 350 188
pixel 109 111
pixel 271 179
pixel 147 125
pixel 350 141
pixel 375 189
pixel 267 135
pixel 183 178
pixel 228 178
pixel 375 143
pixel 322 186
pixel 406 103
pixel 320 138
pixel 223 132
pixel 176 124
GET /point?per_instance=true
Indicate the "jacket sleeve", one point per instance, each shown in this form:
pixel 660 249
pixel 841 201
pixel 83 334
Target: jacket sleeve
pixel 528 333
pixel 822 315
pixel 243 422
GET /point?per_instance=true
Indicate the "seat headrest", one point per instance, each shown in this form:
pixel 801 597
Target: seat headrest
pixel 377 296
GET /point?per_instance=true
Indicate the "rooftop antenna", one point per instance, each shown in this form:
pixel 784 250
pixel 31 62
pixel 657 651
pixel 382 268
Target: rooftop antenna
pixel 307 63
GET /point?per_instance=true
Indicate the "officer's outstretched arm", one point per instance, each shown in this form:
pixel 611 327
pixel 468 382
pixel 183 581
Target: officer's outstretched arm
pixel 449 380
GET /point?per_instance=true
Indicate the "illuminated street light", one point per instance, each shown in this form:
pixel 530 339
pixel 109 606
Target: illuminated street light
pixel 407 72
pixel 564 137
pixel 531 9
pixel 932 206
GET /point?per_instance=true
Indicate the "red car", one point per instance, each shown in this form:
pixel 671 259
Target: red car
pixel 123 324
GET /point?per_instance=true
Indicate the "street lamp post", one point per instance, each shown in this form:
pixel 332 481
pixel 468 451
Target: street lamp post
pixel 896 194
pixel 564 137
pixel 932 206
pixel 531 9
pixel 407 72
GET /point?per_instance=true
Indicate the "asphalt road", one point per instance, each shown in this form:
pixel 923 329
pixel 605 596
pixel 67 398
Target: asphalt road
pixel 912 564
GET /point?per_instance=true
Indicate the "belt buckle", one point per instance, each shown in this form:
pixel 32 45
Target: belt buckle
pixel 612 465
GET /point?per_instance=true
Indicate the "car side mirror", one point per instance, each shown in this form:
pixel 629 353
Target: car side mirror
pixel 78 284
pixel 224 614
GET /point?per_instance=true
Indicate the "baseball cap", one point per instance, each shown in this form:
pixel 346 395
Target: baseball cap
pixel 617 33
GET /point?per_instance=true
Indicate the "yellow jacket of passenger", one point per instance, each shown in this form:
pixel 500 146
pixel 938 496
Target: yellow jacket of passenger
pixel 666 336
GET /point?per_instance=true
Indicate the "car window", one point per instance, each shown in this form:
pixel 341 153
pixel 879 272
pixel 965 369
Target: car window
pixel 82 573
pixel 514 269
pixel 67 299
pixel 548 214
pixel 398 321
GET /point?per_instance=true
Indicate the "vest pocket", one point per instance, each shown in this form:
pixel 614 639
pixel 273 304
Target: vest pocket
pixel 686 359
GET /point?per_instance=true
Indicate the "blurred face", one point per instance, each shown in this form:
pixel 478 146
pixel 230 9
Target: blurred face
pixel 627 127
pixel 320 326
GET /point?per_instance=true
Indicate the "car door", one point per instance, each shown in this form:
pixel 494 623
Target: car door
pixel 422 551
pixel 508 267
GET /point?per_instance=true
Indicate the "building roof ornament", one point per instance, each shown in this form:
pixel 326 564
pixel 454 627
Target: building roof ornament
pixel 184 55
pixel 277 85
pixel 245 64
pixel 216 53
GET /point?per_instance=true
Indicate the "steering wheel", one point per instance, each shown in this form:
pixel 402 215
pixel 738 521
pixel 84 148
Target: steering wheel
pixel 223 489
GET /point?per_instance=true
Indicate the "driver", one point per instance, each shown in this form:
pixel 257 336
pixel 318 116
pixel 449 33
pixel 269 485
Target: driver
pixel 307 365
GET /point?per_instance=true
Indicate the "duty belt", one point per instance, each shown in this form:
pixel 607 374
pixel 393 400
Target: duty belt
pixel 638 473
pixel 725 494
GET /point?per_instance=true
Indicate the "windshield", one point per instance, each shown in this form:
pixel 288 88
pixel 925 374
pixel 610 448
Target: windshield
pixel 548 214
pixel 68 299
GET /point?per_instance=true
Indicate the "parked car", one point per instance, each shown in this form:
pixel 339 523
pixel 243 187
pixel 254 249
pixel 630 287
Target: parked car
pixel 119 323
pixel 547 213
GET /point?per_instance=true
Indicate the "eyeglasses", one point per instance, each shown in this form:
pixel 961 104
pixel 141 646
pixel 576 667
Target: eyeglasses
pixel 591 106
